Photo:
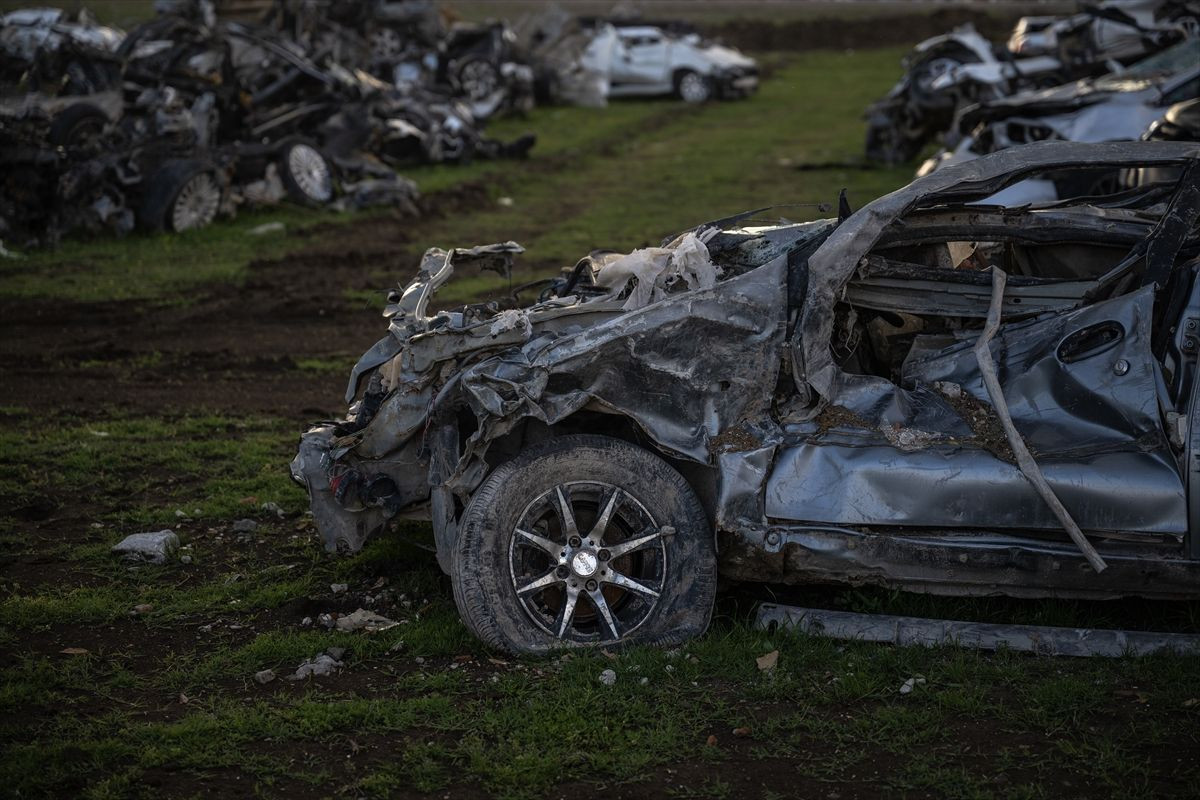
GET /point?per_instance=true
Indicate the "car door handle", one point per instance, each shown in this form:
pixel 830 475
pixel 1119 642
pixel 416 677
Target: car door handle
pixel 1090 341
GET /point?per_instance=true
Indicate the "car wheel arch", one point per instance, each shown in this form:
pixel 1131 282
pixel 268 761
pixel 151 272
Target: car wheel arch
pixel 702 478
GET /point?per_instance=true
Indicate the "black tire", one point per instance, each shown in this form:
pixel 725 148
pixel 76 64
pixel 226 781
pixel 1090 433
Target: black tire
pixel 684 561
pixel 685 80
pixel 76 125
pixel 165 188
pixel 306 174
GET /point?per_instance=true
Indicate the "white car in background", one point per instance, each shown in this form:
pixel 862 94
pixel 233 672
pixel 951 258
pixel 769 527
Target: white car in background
pixel 647 60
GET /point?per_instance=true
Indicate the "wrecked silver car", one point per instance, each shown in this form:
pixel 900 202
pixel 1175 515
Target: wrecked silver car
pixel 925 393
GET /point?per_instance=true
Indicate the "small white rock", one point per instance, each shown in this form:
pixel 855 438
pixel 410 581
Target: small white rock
pixel 304 623
pixel 339 588
pixel 265 676
pixel 154 547
pixel 644 680
pixel 608 677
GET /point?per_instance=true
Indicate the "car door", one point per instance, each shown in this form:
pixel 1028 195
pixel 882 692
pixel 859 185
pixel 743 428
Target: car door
pixel 1084 387
pixel 642 59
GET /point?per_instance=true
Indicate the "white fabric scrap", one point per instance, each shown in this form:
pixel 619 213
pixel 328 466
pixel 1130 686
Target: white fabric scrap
pixel 655 268
pixel 509 320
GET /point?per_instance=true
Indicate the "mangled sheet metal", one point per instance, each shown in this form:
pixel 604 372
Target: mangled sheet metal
pixel 740 350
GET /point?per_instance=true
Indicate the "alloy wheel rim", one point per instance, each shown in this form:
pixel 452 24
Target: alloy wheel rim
pixel 693 88
pixel 310 170
pixel 478 80
pixel 587 562
pixel 196 204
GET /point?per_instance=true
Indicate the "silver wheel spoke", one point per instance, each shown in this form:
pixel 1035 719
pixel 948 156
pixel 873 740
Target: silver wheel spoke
pixel 597 534
pixel 617 579
pixel 541 542
pixel 601 605
pixel 629 546
pixel 568 612
pixel 565 514
pixel 549 579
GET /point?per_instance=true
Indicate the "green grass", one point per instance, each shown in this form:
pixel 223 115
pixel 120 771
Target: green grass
pixel 199 463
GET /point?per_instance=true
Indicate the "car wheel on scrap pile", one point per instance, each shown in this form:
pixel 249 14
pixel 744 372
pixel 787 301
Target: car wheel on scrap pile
pixel 584 541
pixel 306 175
pixel 76 125
pixel 181 195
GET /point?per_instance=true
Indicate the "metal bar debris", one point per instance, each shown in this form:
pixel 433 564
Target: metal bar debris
pixel 1039 639
pixel 1025 460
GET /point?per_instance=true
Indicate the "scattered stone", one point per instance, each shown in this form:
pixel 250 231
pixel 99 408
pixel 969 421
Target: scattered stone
pixel 768 661
pixel 336 653
pixel 83 651
pixel 1191 702
pixel 608 677
pixel 272 508
pixel 153 547
pixel 363 620
pixel 327 620
pixel 184 699
pixel 185 559
pixel 245 526
pixel 304 623
pixel 319 666
pixel 711 741
pixel 643 681
pixel 206 628
pixel 96 526
pixel 419 660
pixel 741 732
pixel 180 513
pixel 506 202
pixel 143 608
pixel 339 588
pixel 911 683
pixel 265 676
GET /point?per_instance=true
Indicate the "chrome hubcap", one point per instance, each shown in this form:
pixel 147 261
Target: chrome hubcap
pixel 385 44
pixel 591 586
pixel 311 172
pixel 197 203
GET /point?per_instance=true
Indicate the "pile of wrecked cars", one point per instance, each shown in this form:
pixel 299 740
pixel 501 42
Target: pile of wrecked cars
pixel 932 392
pixel 947 73
pixel 188 116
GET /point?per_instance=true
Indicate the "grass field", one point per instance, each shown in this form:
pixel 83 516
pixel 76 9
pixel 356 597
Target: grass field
pixel 160 382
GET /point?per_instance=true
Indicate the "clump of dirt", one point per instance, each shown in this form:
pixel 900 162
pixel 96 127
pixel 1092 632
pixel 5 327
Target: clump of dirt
pixel 734 440
pixel 983 421
pixel 840 34
pixel 833 416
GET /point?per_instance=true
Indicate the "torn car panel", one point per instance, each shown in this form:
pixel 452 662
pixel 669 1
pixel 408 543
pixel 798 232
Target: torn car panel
pixel 805 401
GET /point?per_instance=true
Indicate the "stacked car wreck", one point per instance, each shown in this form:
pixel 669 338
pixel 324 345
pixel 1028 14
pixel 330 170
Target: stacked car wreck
pixel 806 402
pixel 194 114
pixel 947 78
